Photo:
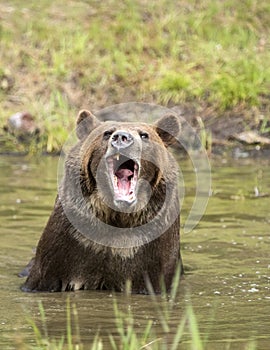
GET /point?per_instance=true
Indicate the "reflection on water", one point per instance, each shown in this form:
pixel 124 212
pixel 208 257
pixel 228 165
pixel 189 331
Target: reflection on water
pixel 226 257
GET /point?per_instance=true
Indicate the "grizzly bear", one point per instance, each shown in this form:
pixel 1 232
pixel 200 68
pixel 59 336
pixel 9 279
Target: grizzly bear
pixel 116 216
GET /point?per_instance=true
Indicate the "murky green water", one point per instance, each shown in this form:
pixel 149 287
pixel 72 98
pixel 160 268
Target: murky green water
pixel 227 259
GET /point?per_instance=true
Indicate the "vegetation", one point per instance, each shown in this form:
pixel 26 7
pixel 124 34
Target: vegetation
pixel 176 332
pixel 127 337
pixel 186 334
pixel 57 57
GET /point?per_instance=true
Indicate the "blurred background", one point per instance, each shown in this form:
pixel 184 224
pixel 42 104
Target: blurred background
pixel 209 57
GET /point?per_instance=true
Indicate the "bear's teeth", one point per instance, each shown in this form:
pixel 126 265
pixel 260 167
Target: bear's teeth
pixel 115 179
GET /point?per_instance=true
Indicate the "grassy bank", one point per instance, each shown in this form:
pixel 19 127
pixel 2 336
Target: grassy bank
pixel 57 57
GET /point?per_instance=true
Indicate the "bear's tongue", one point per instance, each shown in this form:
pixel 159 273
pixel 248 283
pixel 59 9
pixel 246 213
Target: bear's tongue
pixel 123 181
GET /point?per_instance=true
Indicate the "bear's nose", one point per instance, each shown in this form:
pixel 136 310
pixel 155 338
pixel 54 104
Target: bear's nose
pixel 121 139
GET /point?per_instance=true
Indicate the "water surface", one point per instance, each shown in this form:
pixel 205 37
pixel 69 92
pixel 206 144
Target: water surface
pixel 227 259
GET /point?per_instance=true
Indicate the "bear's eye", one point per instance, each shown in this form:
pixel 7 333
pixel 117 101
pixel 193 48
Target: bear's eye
pixel 144 135
pixel 107 134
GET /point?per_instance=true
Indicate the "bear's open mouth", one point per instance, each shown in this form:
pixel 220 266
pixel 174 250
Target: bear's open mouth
pixel 124 176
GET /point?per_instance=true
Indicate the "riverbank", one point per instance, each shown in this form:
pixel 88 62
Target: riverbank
pixel 238 133
pixel 210 58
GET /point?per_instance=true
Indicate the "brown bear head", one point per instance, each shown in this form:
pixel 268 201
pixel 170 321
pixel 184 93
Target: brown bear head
pixel 124 162
pixel 121 176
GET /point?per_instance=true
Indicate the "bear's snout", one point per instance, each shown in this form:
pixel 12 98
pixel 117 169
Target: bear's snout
pixel 121 139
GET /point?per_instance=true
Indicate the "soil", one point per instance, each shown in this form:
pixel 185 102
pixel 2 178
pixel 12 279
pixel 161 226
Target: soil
pixel 227 132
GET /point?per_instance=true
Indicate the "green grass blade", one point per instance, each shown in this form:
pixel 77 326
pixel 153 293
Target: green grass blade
pixel 197 343
pixel 179 333
pixel 68 325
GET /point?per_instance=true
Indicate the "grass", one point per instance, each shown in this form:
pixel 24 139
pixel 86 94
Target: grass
pixel 176 333
pixel 69 55
pixel 186 334
pixel 127 337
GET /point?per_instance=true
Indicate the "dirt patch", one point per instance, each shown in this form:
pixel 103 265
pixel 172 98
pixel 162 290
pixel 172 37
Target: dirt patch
pixel 225 132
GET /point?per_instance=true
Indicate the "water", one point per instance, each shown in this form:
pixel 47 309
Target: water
pixel 227 259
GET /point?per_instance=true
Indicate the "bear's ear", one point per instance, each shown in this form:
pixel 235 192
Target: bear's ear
pixel 168 128
pixel 86 122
